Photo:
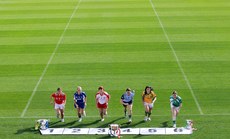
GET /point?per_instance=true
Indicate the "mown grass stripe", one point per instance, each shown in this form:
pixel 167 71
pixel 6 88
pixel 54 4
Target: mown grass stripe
pixel 177 59
pixel 51 58
pixel 201 43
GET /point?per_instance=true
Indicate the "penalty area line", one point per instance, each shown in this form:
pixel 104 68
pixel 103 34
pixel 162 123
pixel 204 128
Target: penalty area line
pixel 50 59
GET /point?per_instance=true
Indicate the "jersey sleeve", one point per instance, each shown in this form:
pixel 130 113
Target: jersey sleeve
pixel 154 95
pixel 171 99
pixel 143 93
pixel 74 97
pixel 53 95
pixel 108 96
pixel 122 97
pixel 180 100
pixel 96 96
pixel 64 97
pixel 84 94
pixel 133 95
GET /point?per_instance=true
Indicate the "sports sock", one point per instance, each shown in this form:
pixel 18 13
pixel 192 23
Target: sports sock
pixel 125 112
pixel 79 115
pixel 174 122
pixel 102 115
pixel 149 113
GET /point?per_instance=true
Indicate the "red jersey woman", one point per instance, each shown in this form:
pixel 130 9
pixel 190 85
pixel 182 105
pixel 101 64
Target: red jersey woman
pixel 58 99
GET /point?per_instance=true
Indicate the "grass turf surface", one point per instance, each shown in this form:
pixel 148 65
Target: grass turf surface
pixel 117 44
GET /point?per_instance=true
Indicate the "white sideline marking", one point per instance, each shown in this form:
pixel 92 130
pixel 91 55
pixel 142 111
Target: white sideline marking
pixel 69 117
pixel 51 58
pixel 177 59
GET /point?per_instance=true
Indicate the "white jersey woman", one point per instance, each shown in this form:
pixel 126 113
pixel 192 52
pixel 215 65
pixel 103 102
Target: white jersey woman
pixel 102 99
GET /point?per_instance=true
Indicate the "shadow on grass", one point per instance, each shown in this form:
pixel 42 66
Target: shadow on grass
pixel 54 125
pixel 104 137
pixel 128 124
pixel 85 124
pixel 138 136
pixel 165 124
pixel 111 122
pixel 32 130
pixel 27 130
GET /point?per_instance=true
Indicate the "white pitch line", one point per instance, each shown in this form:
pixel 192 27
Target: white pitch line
pixel 177 60
pixel 50 59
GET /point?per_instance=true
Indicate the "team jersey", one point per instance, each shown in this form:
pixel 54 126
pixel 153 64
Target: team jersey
pixel 79 98
pixel 59 98
pixel 102 99
pixel 127 98
pixel 148 98
pixel 175 102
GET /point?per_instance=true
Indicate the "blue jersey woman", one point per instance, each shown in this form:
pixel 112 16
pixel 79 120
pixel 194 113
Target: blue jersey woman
pixel 79 102
pixel 127 101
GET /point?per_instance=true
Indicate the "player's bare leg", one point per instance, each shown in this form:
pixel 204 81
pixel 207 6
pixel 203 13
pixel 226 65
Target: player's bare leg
pixel 177 112
pixel 125 110
pixel 84 113
pixel 104 112
pixel 129 107
pixel 58 113
pixel 101 114
pixel 62 115
pixel 146 112
pixel 174 114
pixel 149 113
pixel 80 114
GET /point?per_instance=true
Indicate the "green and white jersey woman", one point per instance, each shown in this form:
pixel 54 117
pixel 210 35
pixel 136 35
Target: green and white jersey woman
pixel 176 104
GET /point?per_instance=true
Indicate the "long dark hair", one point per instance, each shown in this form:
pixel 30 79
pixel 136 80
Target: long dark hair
pixel 151 89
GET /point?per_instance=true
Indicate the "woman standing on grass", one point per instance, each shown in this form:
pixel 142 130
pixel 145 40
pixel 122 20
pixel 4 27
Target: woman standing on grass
pixel 80 102
pixel 148 99
pixel 58 99
pixel 127 101
pixel 176 104
pixel 102 99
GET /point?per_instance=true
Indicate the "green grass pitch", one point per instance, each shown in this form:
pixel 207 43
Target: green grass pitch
pixel 168 44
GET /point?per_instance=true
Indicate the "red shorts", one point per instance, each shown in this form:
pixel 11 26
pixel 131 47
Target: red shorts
pixel 102 106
